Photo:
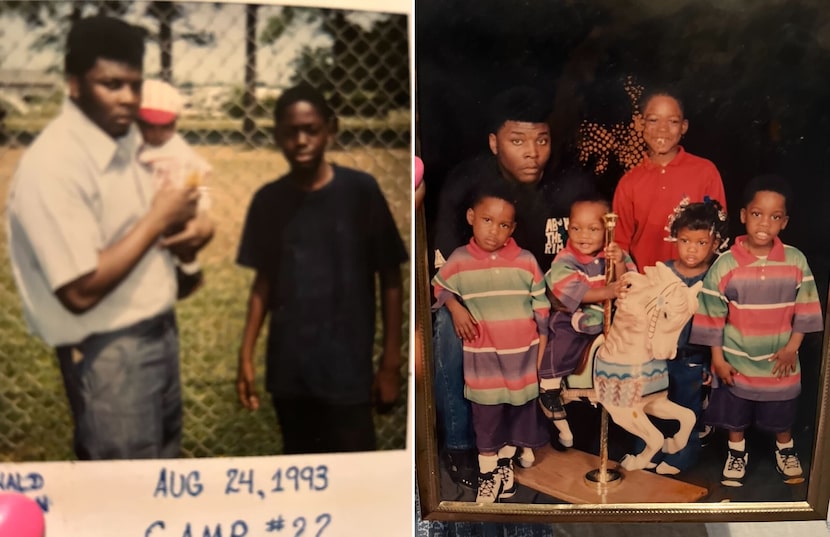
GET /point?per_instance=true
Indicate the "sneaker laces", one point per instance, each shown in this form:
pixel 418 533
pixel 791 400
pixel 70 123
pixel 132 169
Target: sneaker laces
pixel 487 485
pixel 505 471
pixel 789 459
pixel 736 464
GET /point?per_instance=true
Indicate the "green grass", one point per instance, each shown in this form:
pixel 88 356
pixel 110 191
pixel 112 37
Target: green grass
pixel 34 418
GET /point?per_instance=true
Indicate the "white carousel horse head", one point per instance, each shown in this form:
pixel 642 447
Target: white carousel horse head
pixel 657 306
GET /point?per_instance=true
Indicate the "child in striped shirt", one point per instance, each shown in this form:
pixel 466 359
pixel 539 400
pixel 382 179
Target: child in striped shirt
pixel 758 301
pixel 495 292
pixel 577 283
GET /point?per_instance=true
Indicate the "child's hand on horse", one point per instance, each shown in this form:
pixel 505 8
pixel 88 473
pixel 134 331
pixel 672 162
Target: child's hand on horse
pixel 619 288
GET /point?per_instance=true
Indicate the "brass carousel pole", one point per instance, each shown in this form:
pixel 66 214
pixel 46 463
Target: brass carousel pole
pixel 602 477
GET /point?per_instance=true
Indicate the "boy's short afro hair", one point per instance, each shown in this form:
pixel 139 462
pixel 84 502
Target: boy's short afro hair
pixel 302 92
pixel 103 37
pixel 593 197
pixel 768 183
pixel 493 187
pixel 520 103
pixel 660 91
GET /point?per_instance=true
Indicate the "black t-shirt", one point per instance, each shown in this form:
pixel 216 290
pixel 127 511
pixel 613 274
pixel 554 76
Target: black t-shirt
pixel 541 213
pixel 320 251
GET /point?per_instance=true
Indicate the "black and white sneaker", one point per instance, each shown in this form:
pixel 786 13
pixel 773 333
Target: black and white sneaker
pixel 735 468
pixel 788 465
pixel 462 467
pixel 524 457
pixel 551 403
pixel 508 482
pixel 489 487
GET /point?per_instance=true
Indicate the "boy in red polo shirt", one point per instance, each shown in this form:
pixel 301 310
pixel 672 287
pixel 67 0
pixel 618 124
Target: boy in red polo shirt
pixel 650 192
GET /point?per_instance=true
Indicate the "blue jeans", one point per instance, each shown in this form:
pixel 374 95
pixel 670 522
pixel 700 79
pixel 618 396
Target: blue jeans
pixel 454 413
pixel 124 391
pixel 685 389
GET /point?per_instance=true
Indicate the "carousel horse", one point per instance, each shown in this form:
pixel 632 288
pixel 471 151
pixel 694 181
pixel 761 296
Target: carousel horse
pixel 629 376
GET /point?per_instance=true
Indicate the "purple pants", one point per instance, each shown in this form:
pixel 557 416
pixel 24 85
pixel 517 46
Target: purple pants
pixel 502 425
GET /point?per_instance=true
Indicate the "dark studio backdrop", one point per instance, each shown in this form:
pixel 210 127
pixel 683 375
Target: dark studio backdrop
pixel 754 77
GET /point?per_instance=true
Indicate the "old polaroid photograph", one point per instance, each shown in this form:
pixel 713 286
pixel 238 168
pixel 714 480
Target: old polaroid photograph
pixel 621 287
pixel 213 77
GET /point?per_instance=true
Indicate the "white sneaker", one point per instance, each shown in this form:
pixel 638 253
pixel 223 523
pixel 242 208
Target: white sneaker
pixel 788 465
pixel 489 487
pixel 735 468
pixel 525 457
pixel 508 483
pixel 665 468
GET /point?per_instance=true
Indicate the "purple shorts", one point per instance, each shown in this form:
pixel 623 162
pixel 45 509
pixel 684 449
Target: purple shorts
pixel 502 425
pixel 734 413
pixel 565 347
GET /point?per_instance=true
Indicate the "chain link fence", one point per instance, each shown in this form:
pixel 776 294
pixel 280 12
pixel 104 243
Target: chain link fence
pixel 230 61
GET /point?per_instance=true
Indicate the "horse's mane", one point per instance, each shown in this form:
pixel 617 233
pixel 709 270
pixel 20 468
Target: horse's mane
pixel 635 324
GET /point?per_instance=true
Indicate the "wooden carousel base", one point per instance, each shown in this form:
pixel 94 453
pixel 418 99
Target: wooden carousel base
pixel 561 474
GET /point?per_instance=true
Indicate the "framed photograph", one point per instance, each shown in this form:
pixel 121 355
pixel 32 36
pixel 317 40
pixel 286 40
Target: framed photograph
pixel 229 62
pixel 749 79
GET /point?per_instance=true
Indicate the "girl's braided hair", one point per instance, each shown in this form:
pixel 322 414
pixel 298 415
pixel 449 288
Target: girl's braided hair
pixel 708 214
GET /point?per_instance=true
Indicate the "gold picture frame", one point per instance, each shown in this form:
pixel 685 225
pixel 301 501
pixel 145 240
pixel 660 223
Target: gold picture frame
pixel 814 503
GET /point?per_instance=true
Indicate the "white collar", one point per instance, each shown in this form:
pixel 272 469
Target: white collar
pixel 102 147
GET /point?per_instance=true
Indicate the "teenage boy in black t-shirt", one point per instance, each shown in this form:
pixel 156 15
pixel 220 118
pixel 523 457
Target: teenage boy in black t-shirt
pixel 316 238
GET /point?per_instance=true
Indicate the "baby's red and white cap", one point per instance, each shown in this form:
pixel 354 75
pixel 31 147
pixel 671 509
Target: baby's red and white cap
pixel 161 103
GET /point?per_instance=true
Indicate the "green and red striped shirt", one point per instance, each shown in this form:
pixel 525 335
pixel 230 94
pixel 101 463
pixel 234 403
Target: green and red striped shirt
pixel 750 306
pixel 505 293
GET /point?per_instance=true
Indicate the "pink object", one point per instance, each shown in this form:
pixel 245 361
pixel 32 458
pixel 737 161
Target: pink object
pixel 161 103
pixel 419 171
pixel 20 516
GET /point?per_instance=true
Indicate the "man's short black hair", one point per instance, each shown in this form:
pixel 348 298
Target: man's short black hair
pixel 520 103
pixel 103 37
pixel 303 92
pixel 768 183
